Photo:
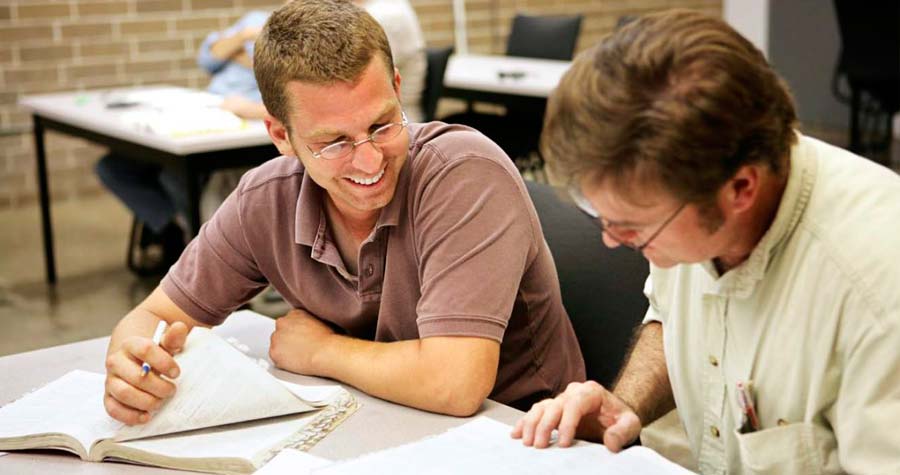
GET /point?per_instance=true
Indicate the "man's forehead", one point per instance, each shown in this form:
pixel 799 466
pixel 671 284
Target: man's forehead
pixel 630 191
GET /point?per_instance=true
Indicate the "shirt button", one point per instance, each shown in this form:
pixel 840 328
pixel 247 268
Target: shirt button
pixel 713 361
pixel 370 269
pixel 714 431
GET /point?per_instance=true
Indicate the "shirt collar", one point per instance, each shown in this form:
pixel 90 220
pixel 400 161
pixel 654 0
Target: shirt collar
pixel 741 281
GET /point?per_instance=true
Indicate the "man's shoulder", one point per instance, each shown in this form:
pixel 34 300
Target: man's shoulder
pixel 284 174
pixel 851 225
pixel 436 144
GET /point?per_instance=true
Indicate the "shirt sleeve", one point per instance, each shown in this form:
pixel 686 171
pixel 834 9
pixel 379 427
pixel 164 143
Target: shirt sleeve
pixel 653 313
pixel 475 235
pixel 867 409
pixel 217 273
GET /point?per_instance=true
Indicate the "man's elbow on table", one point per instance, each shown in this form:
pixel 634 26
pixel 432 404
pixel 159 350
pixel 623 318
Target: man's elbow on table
pixel 464 371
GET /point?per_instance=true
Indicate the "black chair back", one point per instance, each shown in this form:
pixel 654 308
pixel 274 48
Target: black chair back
pixel 870 62
pixel 434 80
pixel 546 37
pixel 602 288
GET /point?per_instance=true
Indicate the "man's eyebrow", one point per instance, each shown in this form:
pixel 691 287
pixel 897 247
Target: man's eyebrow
pixel 327 132
pixel 624 223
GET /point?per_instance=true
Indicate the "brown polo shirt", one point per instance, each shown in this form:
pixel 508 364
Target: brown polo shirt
pixel 457 252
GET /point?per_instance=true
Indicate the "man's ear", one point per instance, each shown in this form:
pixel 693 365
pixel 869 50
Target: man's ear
pixel 742 191
pixel 397 81
pixel 279 135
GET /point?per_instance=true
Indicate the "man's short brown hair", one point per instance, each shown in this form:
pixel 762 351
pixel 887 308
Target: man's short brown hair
pixel 677 99
pixel 316 42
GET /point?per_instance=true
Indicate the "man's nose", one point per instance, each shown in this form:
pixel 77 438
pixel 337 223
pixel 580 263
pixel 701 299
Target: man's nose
pixel 609 241
pixel 367 158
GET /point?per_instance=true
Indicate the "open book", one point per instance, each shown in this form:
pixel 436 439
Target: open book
pixel 480 446
pixel 228 415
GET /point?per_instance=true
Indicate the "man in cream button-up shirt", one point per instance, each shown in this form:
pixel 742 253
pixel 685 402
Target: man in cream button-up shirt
pixel 774 317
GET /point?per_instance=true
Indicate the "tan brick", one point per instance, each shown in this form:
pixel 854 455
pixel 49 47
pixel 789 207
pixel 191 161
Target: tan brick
pixel 202 25
pixel 139 27
pixel 89 50
pixel 43 10
pixel 138 67
pixel 101 8
pixel 5 12
pixel 45 53
pixel 17 76
pixel 43 87
pixel 90 70
pixel 6 55
pixel 86 30
pixel 160 46
pixel 188 64
pixel 15 119
pixel 19 33
pixel 207 4
pixel 261 4
pixel 145 6
pixel 101 82
pixel 7 98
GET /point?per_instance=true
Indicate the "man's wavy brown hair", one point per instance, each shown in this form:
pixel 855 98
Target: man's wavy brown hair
pixel 677 99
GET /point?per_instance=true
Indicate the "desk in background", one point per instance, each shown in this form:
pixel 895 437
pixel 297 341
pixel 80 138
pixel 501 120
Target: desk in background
pixel 375 426
pixel 497 78
pixel 87 115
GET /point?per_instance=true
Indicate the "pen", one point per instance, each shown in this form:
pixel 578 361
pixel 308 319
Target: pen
pixel 745 400
pixel 157 337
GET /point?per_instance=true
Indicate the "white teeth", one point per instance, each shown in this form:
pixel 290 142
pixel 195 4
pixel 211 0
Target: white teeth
pixel 367 181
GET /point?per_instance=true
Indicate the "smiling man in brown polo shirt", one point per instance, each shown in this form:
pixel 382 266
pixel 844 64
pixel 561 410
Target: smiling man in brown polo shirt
pixel 411 253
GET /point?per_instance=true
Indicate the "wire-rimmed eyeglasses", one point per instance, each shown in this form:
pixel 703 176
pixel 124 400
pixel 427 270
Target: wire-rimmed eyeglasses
pixel 610 228
pixel 381 135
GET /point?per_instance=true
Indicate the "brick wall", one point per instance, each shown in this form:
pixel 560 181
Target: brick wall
pixel 64 45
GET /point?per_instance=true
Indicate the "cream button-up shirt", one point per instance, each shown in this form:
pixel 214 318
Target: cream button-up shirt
pixel 812 318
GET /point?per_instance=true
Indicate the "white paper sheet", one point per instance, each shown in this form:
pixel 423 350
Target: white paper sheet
pixel 293 462
pixel 484 446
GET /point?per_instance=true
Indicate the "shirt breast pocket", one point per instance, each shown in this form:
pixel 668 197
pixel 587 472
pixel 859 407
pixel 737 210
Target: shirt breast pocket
pixel 800 448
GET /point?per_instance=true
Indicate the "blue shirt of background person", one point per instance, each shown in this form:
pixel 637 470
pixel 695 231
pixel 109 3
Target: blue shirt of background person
pixel 232 77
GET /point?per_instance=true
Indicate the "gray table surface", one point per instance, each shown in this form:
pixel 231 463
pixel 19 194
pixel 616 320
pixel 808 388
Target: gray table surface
pixel 376 425
pixel 88 110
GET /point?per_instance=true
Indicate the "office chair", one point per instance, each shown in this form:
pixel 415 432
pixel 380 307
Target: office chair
pixel 602 288
pixel 869 62
pixel 434 80
pixel 518 131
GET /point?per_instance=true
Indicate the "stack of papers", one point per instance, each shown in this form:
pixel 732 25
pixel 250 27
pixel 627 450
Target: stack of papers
pixel 480 446
pixel 183 121
pixel 174 112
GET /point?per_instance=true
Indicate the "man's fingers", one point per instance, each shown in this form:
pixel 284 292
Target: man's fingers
pixel 530 421
pixel 174 338
pixel 624 431
pixel 143 350
pixel 568 424
pixel 517 429
pixel 129 370
pixel 131 396
pixel 548 422
pixel 123 413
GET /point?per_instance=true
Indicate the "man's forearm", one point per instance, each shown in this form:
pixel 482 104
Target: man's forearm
pixel 226 48
pixel 410 373
pixel 643 382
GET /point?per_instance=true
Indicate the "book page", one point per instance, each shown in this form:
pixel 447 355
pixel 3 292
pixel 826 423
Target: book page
pixel 484 446
pixel 243 440
pixel 218 385
pixel 72 405
pixel 235 448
